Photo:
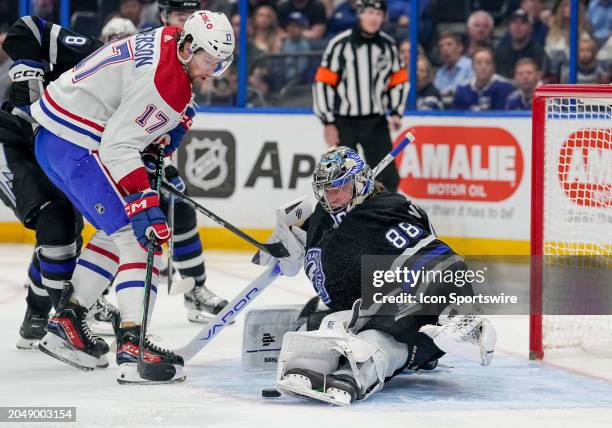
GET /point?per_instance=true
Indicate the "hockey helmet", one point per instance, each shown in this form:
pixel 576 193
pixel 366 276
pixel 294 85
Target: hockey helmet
pixel 185 5
pixel 374 4
pixel 211 32
pixel 341 170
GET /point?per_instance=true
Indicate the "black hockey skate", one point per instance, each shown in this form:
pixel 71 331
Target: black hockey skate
pixel 33 329
pixel 339 389
pixel 69 338
pixel 202 304
pixel 100 317
pixel 162 365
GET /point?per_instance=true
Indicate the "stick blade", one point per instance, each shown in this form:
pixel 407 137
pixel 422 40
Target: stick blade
pixel 276 250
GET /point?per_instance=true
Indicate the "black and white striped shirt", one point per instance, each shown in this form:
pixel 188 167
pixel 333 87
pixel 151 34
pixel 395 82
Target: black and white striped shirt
pixel 360 76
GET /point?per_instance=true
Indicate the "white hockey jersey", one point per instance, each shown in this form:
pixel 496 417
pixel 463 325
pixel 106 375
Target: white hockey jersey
pixel 119 100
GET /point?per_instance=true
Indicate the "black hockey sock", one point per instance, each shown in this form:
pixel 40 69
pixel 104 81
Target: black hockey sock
pixel 38 298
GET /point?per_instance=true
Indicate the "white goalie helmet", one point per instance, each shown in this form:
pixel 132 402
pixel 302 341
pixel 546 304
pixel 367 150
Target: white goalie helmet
pixel 212 32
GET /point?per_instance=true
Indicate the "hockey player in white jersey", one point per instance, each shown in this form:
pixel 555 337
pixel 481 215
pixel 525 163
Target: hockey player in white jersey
pixel 96 121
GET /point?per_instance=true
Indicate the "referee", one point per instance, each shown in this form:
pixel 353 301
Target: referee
pixel 360 79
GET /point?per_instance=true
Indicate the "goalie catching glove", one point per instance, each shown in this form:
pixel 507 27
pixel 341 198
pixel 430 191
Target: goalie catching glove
pixel 148 220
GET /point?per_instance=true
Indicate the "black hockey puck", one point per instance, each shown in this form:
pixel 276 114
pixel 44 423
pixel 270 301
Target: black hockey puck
pixel 270 393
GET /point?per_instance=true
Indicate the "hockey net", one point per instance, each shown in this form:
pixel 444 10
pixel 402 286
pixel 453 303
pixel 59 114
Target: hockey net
pixel 571 226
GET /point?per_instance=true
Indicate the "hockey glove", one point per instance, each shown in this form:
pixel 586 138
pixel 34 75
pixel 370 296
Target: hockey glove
pixel 172 140
pixel 294 239
pixel 148 220
pixel 28 78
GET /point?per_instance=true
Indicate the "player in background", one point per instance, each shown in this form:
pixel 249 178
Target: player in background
pixel 94 157
pixel 343 360
pixel 25 188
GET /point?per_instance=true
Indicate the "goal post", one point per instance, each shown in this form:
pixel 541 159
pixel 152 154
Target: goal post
pixel 571 212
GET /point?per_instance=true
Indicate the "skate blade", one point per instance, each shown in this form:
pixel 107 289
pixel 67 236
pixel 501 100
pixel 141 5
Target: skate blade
pixel 296 389
pixel 128 375
pixel 102 362
pixel 23 343
pixel 56 348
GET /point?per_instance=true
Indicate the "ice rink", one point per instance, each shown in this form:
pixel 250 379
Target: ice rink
pixel 569 389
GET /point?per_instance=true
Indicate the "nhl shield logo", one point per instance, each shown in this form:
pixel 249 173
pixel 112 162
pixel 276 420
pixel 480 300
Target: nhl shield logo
pixel 206 165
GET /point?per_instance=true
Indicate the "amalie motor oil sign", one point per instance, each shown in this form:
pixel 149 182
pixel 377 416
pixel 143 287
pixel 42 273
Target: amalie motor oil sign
pixel 460 163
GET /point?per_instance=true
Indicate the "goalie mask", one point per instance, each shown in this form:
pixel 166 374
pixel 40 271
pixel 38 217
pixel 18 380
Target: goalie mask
pixel 342 180
pixel 211 32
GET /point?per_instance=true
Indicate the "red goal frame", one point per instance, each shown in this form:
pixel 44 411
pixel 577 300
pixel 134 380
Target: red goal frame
pixel 536 345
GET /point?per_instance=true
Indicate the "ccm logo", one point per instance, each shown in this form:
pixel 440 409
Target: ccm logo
pixel 26 75
pixel 460 163
pixel 140 205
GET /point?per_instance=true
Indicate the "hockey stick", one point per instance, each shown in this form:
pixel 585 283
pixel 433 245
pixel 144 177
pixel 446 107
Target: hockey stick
pixel 160 372
pixel 171 241
pixel 275 249
pixel 252 290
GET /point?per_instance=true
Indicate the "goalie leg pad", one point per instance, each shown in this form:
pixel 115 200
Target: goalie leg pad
pixel 472 337
pixel 321 350
pixel 263 333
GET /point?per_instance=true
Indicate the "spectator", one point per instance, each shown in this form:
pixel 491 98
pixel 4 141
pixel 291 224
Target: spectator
pixel 404 51
pixel 313 10
pixel 604 57
pixel 527 77
pixel 116 28
pixel 295 43
pixel 487 91
pixel 45 9
pixel 398 18
pixel 521 45
pixel 534 9
pixel 428 97
pixel 600 18
pixel 588 70
pixel 342 18
pixel 480 31
pixel 557 41
pixel 457 68
pixel 266 36
pixel 131 9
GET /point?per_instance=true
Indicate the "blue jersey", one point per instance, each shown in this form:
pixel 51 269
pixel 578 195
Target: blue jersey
pixel 493 96
pixel 517 101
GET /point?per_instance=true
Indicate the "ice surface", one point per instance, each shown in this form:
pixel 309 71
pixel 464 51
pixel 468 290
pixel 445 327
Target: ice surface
pixel 570 389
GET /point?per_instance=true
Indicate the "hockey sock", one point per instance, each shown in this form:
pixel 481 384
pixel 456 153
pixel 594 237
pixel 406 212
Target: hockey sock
pixel 95 269
pixel 38 298
pixel 57 264
pixel 130 279
pixel 188 253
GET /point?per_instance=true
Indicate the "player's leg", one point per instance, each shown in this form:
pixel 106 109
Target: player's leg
pixel 202 304
pixel 376 142
pixel 76 171
pixel 348 132
pixel 38 306
pixel 40 206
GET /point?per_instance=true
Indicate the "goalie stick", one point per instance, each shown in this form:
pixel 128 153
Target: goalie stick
pixel 259 284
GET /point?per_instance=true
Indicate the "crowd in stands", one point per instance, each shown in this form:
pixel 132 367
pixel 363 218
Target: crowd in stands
pixel 472 55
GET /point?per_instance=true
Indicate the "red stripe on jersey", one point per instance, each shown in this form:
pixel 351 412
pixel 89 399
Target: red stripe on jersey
pixel 171 80
pixel 143 266
pixel 103 252
pixel 72 116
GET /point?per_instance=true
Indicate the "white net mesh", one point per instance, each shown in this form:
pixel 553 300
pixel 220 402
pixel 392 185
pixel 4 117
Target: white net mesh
pixel 577 221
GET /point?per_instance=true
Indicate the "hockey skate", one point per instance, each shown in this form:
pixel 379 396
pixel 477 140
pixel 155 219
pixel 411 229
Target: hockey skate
pixel 202 304
pixel 32 329
pixel 164 363
pixel 100 317
pixel 340 390
pixel 69 338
